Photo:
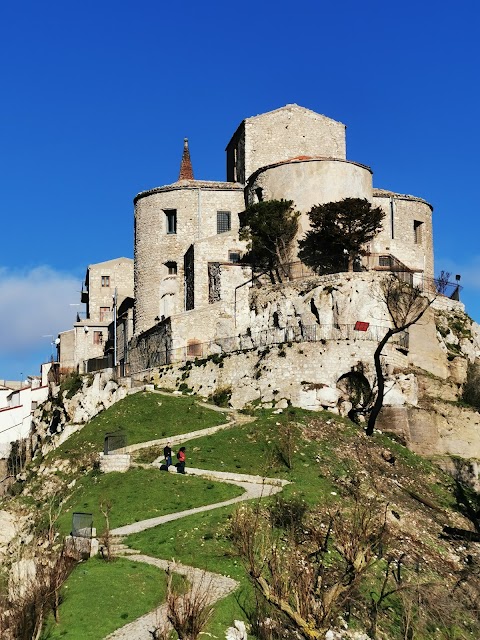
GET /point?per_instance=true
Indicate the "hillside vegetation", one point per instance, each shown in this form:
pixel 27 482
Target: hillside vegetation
pixel 345 489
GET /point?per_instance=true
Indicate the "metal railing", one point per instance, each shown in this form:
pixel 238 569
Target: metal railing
pixel 254 340
pixel 383 262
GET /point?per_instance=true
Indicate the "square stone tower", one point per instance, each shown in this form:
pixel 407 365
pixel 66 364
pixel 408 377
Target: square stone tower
pixel 283 134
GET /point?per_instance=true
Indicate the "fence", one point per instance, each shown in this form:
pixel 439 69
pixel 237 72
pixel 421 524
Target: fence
pixel 387 263
pixel 82 524
pixel 265 338
pixel 96 364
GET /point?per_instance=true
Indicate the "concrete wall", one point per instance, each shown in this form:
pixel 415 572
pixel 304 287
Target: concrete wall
pixel 279 135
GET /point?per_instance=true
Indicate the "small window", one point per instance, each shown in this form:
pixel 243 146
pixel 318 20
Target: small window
pixel 172 268
pixel 104 314
pixel 105 281
pixel 259 194
pixel 97 337
pixel 417 231
pixel 171 220
pixel 194 348
pixel 223 221
pixel 234 256
pixel 384 261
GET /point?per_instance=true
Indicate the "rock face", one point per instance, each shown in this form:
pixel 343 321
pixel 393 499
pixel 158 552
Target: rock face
pixel 323 362
pixel 60 416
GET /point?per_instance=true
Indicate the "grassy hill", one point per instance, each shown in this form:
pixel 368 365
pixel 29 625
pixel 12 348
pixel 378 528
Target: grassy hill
pixel 328 462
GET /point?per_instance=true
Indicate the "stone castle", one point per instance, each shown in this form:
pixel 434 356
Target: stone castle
pixel 195 317
pixel 187 249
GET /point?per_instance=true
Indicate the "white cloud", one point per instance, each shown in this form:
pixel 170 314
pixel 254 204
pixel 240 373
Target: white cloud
pixel 33 304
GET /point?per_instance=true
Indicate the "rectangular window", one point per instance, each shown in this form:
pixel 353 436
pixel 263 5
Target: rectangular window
pixel 104 314
pixel 223 221
pixel 194 348
pixel 417 231
pixel 97 337
pixel 234 256
pixel 105 281
pixel 171 220
pixel 172 268
pixel 384 261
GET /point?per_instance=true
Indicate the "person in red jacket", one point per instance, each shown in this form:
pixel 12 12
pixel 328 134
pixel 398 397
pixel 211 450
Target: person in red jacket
pixel 181 460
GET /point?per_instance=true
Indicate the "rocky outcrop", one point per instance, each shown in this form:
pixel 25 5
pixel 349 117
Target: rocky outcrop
pixel 66 412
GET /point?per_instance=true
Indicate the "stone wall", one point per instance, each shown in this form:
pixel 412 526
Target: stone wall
pixel 311 182
pixel 407 230
pixel 120 276
pixel 282 134
pixel 304 374
pixel 196 204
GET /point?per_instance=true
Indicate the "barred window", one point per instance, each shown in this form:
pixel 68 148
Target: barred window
pixel 223 221
pixel 384 261
pixel 105 281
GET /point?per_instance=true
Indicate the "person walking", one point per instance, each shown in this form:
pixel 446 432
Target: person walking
pixel 181 460
pixel 167 452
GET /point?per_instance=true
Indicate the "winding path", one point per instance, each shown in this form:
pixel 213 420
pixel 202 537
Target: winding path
pixel 218 586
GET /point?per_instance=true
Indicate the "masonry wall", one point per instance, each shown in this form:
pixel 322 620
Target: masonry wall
pixel 196 204
pixel 217 248
pixel 67 350
pixel 311 182
pixel 120 273
pixel 280 135
pixel 407 231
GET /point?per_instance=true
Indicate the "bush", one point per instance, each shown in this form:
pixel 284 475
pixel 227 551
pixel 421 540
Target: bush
pixel 288 513
pixel 221 396
pixel 71 385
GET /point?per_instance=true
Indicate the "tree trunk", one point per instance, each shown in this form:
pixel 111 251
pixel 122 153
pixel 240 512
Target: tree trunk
pixel 378 404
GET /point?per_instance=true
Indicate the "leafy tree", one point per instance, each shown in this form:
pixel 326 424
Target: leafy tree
pixel 339 231
pixel 270 228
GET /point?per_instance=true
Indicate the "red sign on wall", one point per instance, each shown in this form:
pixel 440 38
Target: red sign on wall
pixel 361 326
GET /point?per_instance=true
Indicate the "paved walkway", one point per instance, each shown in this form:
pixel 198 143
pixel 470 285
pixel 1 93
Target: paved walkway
pixel 218 586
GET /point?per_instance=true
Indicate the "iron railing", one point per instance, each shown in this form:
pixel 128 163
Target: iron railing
pixel 254 340
pixel 380 262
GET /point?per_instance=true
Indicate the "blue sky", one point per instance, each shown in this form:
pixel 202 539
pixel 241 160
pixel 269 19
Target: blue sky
pixel 98 96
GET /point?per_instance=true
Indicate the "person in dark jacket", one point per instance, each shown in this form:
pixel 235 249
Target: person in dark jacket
pixel 167 452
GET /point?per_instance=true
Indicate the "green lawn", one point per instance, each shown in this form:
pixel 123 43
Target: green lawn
pixel 103 596
pixel 142 416
pixel 140 494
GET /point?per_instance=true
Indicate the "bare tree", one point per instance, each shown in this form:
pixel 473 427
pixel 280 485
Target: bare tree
pixel 301 579
pixel 406 304
pixel 25 609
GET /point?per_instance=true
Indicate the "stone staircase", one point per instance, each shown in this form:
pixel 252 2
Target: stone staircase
pixel 118 548
pixel 115 462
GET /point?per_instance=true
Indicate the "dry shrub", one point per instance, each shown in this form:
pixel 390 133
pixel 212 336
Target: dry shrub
pixel 189 611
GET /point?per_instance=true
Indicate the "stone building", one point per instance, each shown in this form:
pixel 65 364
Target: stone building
pixel 106 284
pixel 188 279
